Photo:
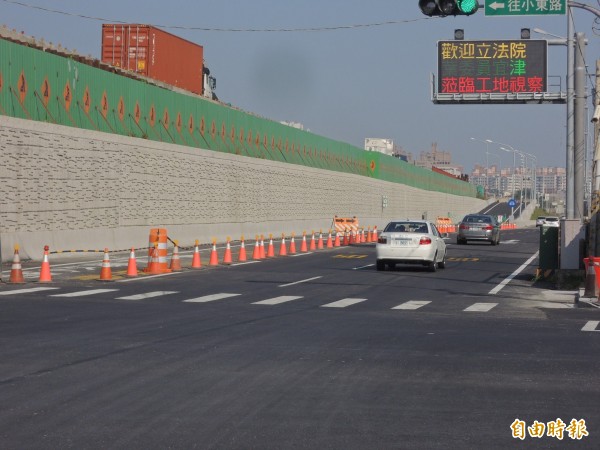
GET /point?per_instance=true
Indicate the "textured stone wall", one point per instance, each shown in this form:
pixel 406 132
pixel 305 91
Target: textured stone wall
pixel 78 189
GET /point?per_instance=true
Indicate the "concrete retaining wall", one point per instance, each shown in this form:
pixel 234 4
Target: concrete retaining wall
pixel 77 189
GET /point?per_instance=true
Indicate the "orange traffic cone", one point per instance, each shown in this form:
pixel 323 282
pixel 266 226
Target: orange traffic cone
pixel 132 265
pixel 154 265
pixel 214 258
pixel 270 249
pixel 283 248
pixel 313 243
pixel 256 252
pixel 16 271
pixel 329 241
pixel 292 246
pixel 320 241
pixel 196 261
pixel 363 239
pixel 175 260
pixel 105 272
pixel 262 247
pixel 227 255
pixel 374 237
pixel 303 247
pixel 369 237
pixel 337 239
pixel 45 275
pixel 242 257
pixel 346 241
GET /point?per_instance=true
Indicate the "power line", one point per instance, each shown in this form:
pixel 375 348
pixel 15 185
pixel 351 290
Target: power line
pixel 236 30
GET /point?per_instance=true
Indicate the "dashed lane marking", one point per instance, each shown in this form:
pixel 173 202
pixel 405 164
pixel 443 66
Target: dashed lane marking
pixel 412 304
pixel 344 303
pixel 277 300
pixel 27 291
pixel 147 295
pixel 480 307
pixel 210 298
pixel 298 282
pixel 350 256
pixel 84 293
pixel 592 325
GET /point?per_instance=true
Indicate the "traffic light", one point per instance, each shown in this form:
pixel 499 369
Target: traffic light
pixel 449 7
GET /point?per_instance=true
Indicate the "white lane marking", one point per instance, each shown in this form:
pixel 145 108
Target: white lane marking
pixel 480 307
pixel 84 293
pixel 591 326
pixel 27 291
pixel 147 295
pixel 298 282
pixel 363 267
pixel 210 298
pixel 301 254
pixel 344 302
pixel 412 304
pixel 277 300
pixel 512 275
pixel 244 263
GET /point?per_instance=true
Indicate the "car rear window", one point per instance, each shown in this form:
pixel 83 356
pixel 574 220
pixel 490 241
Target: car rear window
pixel 406 227
pixel 478 219
pixel 551 219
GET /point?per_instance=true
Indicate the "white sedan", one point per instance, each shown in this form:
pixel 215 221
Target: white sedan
pixel 411 242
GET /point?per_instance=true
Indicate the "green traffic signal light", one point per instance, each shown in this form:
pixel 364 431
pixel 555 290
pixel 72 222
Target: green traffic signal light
pixel 467 7
pixel 448 7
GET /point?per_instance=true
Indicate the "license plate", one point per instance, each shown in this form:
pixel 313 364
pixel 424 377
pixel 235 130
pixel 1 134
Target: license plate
pixel 402 242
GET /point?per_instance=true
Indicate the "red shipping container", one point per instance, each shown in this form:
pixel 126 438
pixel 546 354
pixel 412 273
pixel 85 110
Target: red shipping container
pixel 154 53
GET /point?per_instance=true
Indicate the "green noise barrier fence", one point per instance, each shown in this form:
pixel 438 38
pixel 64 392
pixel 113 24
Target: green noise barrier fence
pixel 48 87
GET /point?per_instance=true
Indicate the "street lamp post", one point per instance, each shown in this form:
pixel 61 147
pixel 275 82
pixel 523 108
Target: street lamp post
pixel 487 162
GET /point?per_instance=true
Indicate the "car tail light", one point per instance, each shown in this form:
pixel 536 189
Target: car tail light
pixel 382 240
pixel 488 228
pixel 463 227
pixel 425 241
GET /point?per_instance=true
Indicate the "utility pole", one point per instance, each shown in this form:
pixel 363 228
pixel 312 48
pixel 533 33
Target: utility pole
pixel 579 134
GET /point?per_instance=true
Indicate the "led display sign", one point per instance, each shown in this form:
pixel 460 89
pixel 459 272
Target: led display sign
pixel 492 67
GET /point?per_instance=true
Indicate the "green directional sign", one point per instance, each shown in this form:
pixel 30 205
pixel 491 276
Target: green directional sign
pixel 525 7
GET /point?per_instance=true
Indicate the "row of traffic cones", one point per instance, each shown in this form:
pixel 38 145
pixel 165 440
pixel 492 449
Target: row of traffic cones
pixel 154 267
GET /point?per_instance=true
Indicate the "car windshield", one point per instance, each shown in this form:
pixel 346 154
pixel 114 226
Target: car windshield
pixel 478 219
pixel 406 227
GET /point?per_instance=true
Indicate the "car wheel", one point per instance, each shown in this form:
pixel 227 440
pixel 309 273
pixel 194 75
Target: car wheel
pixel 442 263
pixel 380 265
pixel 433 265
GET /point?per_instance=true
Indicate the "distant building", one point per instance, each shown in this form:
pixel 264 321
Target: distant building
pixel 297 125
pixel 387 147
pixel 441 160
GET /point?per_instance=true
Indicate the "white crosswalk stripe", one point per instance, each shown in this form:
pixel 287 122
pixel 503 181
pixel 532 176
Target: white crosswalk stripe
pixel 210 298
pixel 277 300
pixel 412 304
pixel 344 303
pixel 147 295
pixel 84 293
pixel 480 307
pixel 27 291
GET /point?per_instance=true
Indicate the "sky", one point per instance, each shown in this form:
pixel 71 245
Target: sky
pixel 364 73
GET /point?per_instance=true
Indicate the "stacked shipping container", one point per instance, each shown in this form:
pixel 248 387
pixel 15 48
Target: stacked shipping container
pixel 154 53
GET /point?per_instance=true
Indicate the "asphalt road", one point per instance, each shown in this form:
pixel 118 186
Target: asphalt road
pixel 314 351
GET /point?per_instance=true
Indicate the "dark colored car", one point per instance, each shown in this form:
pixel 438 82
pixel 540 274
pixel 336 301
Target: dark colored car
pixel 478 227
